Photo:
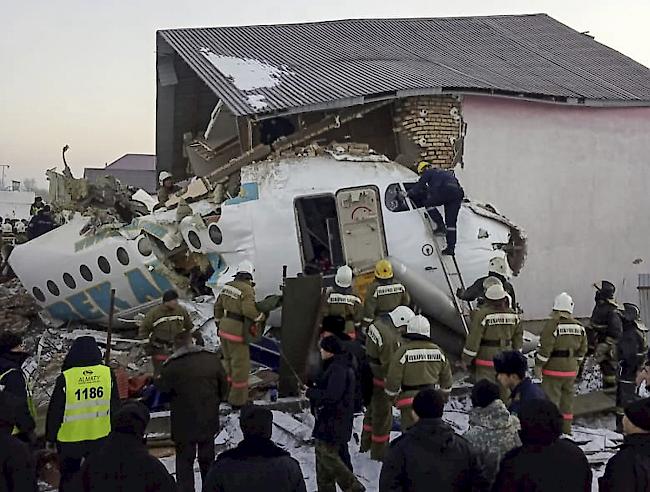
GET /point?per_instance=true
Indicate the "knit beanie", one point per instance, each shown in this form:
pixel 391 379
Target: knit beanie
pixel 428 404
pixel 484 392
pixel 638 413
pixel 332 345
pixel 256 421
pixel 131 418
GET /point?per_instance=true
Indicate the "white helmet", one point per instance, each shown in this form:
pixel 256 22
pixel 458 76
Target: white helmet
pixel 343 277
pixel 490 281
pixel 499 265
pixel 419 325
pixel 246 267
pixel 563 302
pixel 401 316
pixel 163 176
pixel 495 293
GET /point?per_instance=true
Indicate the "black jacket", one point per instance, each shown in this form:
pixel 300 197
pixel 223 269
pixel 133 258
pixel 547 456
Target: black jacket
pixel 606 319
pixel 196 382
pixel 123 464
pixel 549 467
pixel 434 181
pixel 332 399
pixel 14 383
pixel 255 465
pixel 629 469
pixel 17 470
pixel 362 372
pixel 40 224
pixel 631 349
pixel 526 390
pixel 430 456
pixel 83 353
pixel 476 291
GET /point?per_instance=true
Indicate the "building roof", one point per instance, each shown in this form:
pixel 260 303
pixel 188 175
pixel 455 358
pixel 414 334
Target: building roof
pixel 134 162
pixel 304 67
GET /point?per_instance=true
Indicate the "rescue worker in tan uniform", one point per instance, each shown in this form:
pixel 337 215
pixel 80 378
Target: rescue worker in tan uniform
pixel 342 301
pixel 383 340
pixel 384 294
pixel 161 325
pixel 235 312
pixel 167 188
pixel 416 365
pixel 495 328
pixel 606 326
pixel 562 346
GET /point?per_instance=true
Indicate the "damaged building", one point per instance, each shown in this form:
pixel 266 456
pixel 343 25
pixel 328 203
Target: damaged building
pixel 541 120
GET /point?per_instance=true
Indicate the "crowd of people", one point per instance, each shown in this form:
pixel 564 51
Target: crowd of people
pixel 376 355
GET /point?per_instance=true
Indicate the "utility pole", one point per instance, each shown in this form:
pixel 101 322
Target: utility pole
pixel 2 183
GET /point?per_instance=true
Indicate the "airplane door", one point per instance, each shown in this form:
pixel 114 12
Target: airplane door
pixel 361 226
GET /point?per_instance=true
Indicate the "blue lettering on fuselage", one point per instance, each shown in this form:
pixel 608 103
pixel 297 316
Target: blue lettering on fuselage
pixel 143 290
pixel 63 311
pixel 101 294
pixel 83 305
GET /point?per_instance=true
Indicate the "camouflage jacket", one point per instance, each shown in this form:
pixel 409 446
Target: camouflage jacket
pixel 382 297
pixel 493 431
pixel 562 344
pixel 493 330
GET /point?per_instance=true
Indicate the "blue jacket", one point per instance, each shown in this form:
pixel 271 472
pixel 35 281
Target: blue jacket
pixel 432 180
pixel 526 390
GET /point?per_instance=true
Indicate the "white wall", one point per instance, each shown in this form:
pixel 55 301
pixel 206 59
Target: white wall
pixel 577 180
pixel 16 204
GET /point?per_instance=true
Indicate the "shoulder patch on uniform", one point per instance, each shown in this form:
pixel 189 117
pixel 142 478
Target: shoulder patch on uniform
pixel 500 319
pixel 164 319
pixel 230 291
pixel 336 298
pixel 422 355
pixel 384 290
pixel 569 329
pixel 374 335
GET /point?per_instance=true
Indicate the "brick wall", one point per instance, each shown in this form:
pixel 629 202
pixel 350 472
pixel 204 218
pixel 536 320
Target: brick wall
pixel 427 127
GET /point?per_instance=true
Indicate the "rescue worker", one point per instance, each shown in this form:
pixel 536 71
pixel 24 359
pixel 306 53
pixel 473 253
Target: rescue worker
pixel 562 346
pixel 167 188
pixel 161 325
pixel 41 223
pixel 438 187
pixel 36 206
pixel 13 381
pixel 416 365
pixel 342 301
pixel 194 406
pixel 80 410
pixel 383 340
pixel 497 269
pixel 632 348
pixel 384 294
pixel 235 312
pixel 495 328
pixel 606 325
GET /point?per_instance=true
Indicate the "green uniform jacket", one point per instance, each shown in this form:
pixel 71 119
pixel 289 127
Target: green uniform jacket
pixel 493 330
pixel 164 194
pixel 234 307
pixel 382 297
pixel 163 323
pixel 562 345
pixel 418 362
pixel 382 341
pixel 346 304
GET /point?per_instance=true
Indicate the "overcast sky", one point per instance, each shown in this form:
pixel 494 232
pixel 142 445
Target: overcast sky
pixel 83 72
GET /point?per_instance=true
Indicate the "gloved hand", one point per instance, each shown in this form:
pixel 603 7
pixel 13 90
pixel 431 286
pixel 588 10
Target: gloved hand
pixel 538 372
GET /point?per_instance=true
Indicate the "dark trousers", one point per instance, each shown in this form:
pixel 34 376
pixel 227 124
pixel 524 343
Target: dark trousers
pixel 71 456
pixel 186 453
pixel 451 199
pixel 344 453
pixel 68 467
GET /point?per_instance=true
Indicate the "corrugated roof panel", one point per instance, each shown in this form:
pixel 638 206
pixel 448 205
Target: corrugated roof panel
pixel 330 63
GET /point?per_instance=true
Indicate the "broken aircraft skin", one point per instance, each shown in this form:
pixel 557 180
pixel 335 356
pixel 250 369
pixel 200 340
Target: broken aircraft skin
pixel 289 211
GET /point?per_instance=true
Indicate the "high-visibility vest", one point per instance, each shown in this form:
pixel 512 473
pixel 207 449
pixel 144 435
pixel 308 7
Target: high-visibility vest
pixel 30 400
pixel 87 415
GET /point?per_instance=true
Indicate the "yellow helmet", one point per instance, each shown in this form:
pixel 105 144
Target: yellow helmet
pixel 383 269
pixel 422 166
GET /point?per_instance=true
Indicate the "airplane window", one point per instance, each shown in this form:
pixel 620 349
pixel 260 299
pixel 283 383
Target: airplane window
pixel 144 247
pixel 122 256
pixel 103 264
pixel 53 288
pixel 393 200
pixel 38 294
pixel 69 281
pixel 194 240
pixel 215 234
pixel 86 274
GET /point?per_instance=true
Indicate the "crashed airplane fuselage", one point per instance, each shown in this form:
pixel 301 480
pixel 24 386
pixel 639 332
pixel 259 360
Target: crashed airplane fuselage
pixel 295 213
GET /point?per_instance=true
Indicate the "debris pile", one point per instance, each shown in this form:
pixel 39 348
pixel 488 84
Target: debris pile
pixel 17 308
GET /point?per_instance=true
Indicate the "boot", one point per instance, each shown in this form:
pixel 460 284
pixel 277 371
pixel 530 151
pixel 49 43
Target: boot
pixel 449 251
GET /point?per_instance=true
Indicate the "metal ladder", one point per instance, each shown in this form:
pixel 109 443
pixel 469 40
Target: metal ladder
pixel 452 274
